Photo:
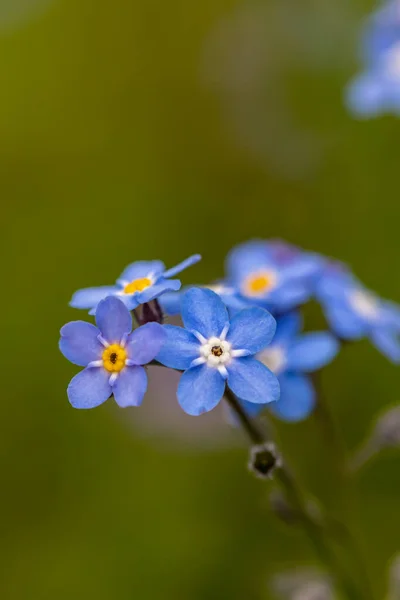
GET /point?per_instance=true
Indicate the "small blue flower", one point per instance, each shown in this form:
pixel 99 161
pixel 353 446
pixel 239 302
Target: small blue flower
pixel 274 275
pixel 214 351
pixel 353 312
pixel 112 355
pixel 291 357
pixel 377 89
pixel 171 301
pixel 140 282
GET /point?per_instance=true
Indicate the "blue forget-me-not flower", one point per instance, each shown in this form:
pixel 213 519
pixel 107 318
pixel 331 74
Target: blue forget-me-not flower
pixel 139 283
pixel 377 89
pixel 111 354
pixel 292 356
pixel 214 351
pixel 272 274
pixel 171 301
pixel 353 312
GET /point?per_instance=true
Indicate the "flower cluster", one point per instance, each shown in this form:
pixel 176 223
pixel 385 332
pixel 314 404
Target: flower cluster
pixel 377 89
pixel 241 337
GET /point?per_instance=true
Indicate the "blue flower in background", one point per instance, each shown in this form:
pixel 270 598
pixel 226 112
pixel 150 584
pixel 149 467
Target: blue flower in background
pixel 112 355
pixel 377 89
pixel 214 351
pixel 272 274
pixel 353 312
pixel 291 356
pixel 171 301
pixel 140 282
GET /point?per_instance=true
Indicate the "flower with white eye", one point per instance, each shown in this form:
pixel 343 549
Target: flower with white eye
pixel 113 356
pixel 353 312
pixel 215 351
pixel 292 356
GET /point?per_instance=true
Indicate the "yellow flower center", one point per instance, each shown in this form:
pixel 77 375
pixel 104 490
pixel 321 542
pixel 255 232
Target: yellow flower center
pixel 258 284
pixel 114 358
pixel 137 285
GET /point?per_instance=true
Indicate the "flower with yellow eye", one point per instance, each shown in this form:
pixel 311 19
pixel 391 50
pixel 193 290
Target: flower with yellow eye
pixel 139 283
pixel 272 274
pixel 113 357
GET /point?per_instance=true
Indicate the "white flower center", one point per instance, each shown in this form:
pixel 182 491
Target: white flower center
pixel 273 358
pixel 365 304
pixel 216 352
pixel 392 62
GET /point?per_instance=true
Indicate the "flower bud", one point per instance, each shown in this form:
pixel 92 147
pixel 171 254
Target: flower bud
pixel 264 459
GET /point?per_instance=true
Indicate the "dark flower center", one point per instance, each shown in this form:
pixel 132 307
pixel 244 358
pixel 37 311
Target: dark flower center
pixel 113 357
pixel 217 351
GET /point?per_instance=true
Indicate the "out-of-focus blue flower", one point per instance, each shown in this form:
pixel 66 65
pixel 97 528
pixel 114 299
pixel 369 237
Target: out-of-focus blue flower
pixel 214 351
pixel 171 301
pixel 291 357
pixel 377 89
pixel 273 274
pixel 353 312
pixel 140 282
pixel 111 354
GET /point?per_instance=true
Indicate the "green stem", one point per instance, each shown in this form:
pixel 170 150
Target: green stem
pixel 312 529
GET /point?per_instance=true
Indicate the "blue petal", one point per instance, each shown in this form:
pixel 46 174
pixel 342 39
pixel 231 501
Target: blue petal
pixel 253 410
pixel 252 381
pixel 203 311
pixel 154 291
pixel 145 343
pixel 387 343
pixel 251 329
pixel 113 319
pixel 311 351
pixel 192 260
pixel 200 389
pixel 306 266
pixel 248 258
pixel 79 343
pixel 390 315
pixel 171 303
pixel 288 327
pixel 90 297
pixel 290 295
pixel 130 387
pixel 344 321
pixel 297 399
pixel 180 349
pixel 142 268
pixel 365 95
pixel 89 388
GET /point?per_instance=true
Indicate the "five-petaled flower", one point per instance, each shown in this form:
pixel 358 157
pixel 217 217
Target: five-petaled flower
pixel 353 312
pixel 139 283
pixel 112 355
pixel 214 351
pixel 274 275
pixel 292 356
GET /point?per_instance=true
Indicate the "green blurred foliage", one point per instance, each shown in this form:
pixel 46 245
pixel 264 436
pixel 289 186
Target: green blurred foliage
pixel 114 147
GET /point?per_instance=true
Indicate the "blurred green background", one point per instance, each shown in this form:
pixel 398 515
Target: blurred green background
pixel 140 129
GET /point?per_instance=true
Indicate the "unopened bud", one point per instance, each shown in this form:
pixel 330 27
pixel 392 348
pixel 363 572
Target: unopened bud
pixel 387 428
pixel 394 579
pixel 264 459
pixel 303 585
pixel 385 434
